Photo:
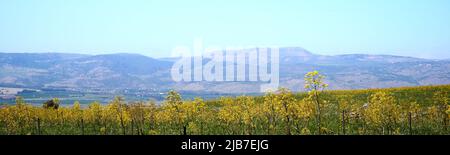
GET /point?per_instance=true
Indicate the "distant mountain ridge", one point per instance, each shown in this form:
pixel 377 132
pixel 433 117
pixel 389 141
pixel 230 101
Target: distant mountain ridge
pixel 133 71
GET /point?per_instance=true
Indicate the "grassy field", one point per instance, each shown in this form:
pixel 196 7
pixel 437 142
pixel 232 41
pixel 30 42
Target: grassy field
pixel 395 111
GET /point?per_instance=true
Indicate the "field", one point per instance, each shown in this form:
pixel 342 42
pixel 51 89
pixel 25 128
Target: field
pixel 421 110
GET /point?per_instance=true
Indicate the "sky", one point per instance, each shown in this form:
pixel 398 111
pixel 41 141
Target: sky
pixel 419 28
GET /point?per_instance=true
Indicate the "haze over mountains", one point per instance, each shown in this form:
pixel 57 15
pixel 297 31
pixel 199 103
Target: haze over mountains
pixel 133 71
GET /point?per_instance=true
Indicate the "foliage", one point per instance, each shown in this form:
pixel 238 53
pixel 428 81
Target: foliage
pixel 400 111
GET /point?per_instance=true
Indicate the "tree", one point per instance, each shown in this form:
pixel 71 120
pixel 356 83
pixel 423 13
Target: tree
pixel 448 112
pixel 20 101
pixel 411 111
pixel 77 113
pixel 94 114
pixel 137 113
pixel 200 114
pixel 247 113
pixel 441 100
pixel 151 116
pixel 52 104
pixel 286 103
pixel 230 114
pixel 344 107
pixel 382 111
pixel 303 110
pixel 173 98
pixel 314 84
pixel 270 111
pixel 173 105
pixel 121 112
pixel 192 114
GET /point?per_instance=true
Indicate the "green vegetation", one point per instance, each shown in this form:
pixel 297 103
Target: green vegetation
pixel 421 110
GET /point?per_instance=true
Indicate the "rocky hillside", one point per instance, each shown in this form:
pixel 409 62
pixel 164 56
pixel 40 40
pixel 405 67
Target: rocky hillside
pixel 132 71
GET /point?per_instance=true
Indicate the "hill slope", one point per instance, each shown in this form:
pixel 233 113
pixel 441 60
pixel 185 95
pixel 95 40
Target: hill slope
pixel 132 71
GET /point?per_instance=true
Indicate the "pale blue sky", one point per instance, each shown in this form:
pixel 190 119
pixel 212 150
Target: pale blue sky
pixel 418 28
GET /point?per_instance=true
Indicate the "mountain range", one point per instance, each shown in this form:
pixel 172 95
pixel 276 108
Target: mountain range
pixel 133 71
